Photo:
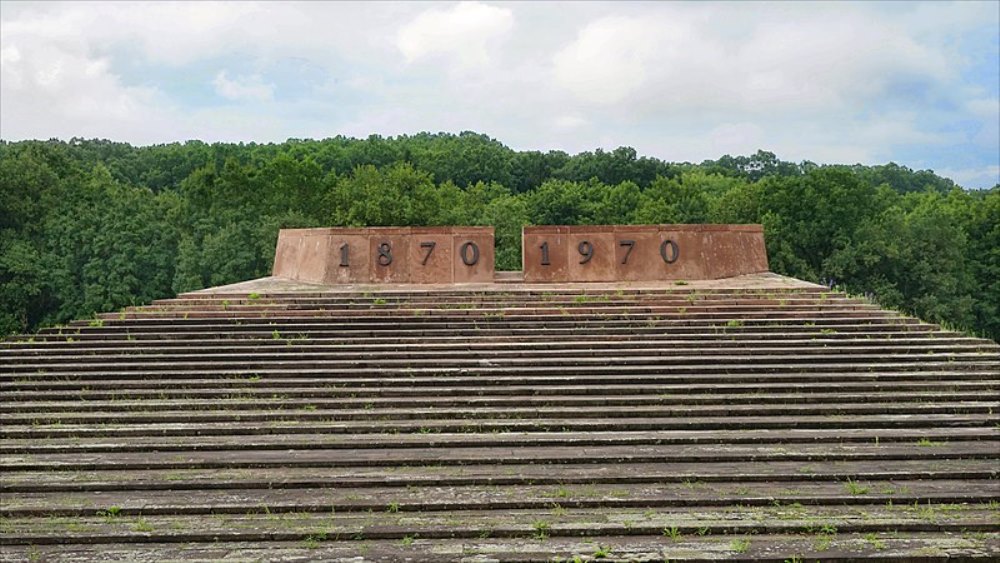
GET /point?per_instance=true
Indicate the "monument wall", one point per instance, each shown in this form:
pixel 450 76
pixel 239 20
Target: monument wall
pixel 550 254
pixel 386 255
pixel 587 253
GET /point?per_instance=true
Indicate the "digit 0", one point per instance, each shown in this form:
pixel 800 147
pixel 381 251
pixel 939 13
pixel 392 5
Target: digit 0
pixel 384 254
pixel 469 258
pixel 669 251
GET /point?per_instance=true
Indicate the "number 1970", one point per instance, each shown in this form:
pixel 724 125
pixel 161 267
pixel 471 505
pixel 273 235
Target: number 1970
pixel 669 251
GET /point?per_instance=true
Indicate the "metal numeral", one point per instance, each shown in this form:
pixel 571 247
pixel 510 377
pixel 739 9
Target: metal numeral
pixel 586 250
pixel 630 244
pixel 343 255
pixel 673 255
pixel 384 254
pixel 464 253
pixel 430 248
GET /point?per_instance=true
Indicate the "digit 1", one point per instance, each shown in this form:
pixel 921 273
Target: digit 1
pixel 545 254
pixel 343 255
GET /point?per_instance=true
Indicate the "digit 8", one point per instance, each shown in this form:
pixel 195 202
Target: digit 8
pixel 384 254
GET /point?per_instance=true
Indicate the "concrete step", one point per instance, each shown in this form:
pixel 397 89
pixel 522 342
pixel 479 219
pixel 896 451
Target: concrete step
pixel 690 475
pixel 732 392
pixel 434 379
pixel 694 542
pixel 239 401
pixel 500 420
pixel 317 454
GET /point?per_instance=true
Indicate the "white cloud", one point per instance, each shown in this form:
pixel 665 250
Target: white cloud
pixel 462 33
pixel 608 59
pixel 978 177
pixel 833 82
pixel 569 122
pixel 50 90
pixel 243 88
pixel 735 138
pixel 811 60
pixel 985 108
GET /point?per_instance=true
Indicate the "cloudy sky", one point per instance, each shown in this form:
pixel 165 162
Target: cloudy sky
pixel 913 83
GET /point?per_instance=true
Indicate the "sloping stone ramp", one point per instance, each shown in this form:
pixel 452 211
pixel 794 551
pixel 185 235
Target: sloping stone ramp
pixel 754 418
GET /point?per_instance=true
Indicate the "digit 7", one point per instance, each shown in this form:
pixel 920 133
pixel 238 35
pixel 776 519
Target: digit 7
pixel 430 248
pixel 630 244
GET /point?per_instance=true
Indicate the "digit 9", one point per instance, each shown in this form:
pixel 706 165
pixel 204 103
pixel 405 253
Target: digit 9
pixel 586 250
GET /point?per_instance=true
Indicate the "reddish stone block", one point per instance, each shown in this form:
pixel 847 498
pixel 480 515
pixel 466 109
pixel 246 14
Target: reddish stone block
pixel 389 252
pixel 348 258
pixel 473 252
pixel 431 256
pixel 643 252
pixel 385 255
pixel 637 254
pixel 286 254
pixel 591 255
pixel 687 251
pixel 544 254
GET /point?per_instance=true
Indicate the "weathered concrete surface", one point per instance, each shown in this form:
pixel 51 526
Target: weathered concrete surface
pixel 385 255
pixel 586 253
pixel 754 417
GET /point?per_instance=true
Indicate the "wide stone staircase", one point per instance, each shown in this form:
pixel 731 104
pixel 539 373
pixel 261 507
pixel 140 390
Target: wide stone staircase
pixel 759 418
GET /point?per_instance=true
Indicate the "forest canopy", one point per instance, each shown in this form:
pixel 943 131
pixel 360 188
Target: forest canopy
pixel 92 225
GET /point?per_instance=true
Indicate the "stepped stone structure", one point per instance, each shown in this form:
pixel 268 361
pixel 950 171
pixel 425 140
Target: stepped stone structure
pixel 750 417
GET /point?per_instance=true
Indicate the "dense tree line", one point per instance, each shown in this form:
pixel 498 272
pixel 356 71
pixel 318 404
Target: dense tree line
pixel 90 226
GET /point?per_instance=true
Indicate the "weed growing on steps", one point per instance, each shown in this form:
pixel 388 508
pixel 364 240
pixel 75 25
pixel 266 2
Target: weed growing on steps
pixel 673 533
pixel 312 541
pixel 601 552
pixel 855 488
pixel 541 530
pixel 740 545
pixel 110 514
pixel 825 534
pixel 874 540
